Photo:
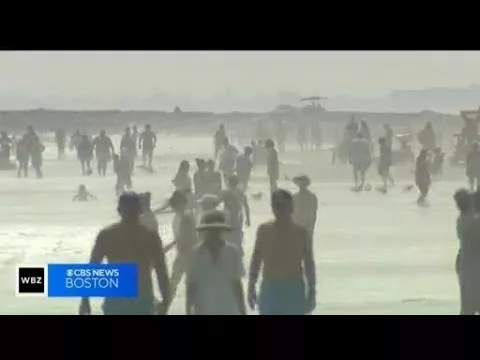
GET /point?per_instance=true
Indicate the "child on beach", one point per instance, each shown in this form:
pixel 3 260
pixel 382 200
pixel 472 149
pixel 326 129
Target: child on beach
pixel 83 194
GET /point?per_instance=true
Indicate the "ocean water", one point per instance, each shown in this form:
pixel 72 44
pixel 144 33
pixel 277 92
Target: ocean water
pixel 375 253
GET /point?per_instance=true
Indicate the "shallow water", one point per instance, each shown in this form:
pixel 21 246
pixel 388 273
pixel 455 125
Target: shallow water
pixel 376 254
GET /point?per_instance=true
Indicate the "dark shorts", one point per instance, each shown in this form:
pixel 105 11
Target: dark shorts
pixel 147 151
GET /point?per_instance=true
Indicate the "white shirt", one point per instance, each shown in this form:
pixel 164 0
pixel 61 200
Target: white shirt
pixel 214 281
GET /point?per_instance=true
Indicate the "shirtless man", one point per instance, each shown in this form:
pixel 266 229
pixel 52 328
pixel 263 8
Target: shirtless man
pixel 237 209
pixel 61 140
pixel 219 139
pixel 147 143
pixel 213 179
pixel 128 143
pixel 227 160
pixel 243 167
pixel 284 252
pixel 104 151
pixel 305 204
pixel 130 242
pixel 185 238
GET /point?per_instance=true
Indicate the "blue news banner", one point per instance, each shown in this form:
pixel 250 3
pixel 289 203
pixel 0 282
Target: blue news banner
pixel 92 280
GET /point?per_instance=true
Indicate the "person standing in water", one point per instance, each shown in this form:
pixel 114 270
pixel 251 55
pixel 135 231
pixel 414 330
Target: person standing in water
pixel 305 205
pixel 361 158
pixel 22 157
pixel 385 162
pixel 128 143
pixel 243 168
pixel 468 229
pixel 104 151
pixel 273 167
pixel 284 252
pixel 130 242
pixel 219 139
pixel 36 155
pixel 237 209
pixel 213 179
pixel 185 238
pixel 473 166
pixel 199 179
pixel 214 278
pixel 422 176
pixel 121 167
pixel 147 143
pixel 83 194
pixel 61 140
pixel 85 154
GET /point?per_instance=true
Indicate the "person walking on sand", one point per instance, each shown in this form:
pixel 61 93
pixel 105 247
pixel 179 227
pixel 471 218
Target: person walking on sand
pixel 237 209
pixel 305 204
pixel 128 143
pixel 61 141
pixel 213 179
pixel 104 151
pixel 422 176
pixel 219 139
pixel 36 155
pixel 214 278
pixel 121 166
pixel 284 252
pixel 468 260
pixel 227 160
pixel 182 180
pixel 128 241
pixel 147 143
pixel 361 159
pixel 185 238
pixel 243 168
pixel 385 162
pixel 22 156
pixel 199 178
pixel 273 167
pixel 85 154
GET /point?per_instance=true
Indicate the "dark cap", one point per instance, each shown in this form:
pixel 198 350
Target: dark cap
pixel 129 200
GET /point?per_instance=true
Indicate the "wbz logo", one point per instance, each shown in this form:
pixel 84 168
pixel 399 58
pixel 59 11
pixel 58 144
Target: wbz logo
pixel 30 281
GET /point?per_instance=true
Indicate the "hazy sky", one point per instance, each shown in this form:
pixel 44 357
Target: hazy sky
pixel 203 74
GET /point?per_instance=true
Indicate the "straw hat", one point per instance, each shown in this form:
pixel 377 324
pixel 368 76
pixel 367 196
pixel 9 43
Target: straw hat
pixel 214 220
pixel 301 180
